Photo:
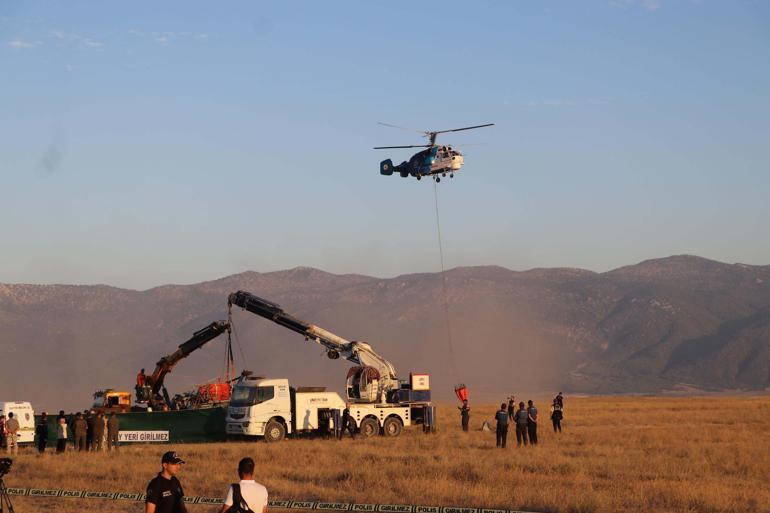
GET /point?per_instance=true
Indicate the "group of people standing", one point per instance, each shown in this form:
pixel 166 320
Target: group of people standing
pixel 89 431
pixel 525 418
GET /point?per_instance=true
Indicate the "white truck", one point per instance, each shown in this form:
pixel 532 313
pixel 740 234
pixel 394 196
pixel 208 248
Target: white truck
pixel 270 408
pixel 23 412
pixel 377 400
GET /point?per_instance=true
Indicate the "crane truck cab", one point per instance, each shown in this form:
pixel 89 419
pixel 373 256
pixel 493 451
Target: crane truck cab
pixel 271 408
pixel 22 411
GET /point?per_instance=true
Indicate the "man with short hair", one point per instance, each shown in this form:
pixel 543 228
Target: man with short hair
pixel 502 426
pixel 347 423
pixel 98 441
pixel 113 428
pixel 465 415
pixel 247 495
pixel 61 434
pixel 80 428
pixel 41 431
pixel 91 427
pixel 556 416
pixel 2 430
pixel 521 425
pixel 164 492
pixel 532 422
pixel 12 434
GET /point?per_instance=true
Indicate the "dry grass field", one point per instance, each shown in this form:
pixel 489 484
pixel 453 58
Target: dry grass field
pixel 635 454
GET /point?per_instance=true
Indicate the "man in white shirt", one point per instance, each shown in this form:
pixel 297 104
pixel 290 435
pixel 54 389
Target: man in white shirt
pixel 247 495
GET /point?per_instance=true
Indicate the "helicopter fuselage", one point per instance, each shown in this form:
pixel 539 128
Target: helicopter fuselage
pixel 436 160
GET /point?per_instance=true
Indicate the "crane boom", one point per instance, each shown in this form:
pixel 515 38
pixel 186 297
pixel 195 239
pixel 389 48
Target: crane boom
pixel 167 363
pixel 357 352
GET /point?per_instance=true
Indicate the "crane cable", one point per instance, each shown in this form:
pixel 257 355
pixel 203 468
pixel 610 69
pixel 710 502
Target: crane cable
pixel 235 333
pixel 443 283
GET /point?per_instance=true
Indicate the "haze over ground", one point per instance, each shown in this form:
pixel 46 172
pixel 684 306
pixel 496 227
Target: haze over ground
pixel 149 143
pixel 681 323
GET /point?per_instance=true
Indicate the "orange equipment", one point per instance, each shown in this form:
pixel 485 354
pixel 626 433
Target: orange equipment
pixel 462 392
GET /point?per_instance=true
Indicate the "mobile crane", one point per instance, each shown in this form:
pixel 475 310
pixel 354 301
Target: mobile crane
pixel 151 392
pixel 377 400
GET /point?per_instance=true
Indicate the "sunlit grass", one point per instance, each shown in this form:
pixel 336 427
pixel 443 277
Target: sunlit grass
pixel 616 454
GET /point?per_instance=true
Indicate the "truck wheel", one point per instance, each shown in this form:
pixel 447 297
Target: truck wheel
pixel 369 427
pixel 391 427
pixel 274 431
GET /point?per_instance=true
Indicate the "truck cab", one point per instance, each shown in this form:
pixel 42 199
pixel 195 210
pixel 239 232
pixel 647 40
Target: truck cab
pixel 270 408
pixel 109 401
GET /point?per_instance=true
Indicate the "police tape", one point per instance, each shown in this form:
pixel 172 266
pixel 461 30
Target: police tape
pixel 287 504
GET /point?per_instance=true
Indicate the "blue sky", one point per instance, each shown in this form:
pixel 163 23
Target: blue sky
pixel 144 143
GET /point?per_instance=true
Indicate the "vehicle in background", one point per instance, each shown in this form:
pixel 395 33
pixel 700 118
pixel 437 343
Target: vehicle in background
pixel 23 412
pixel 270 408
pixel 378 401
pixel 109 400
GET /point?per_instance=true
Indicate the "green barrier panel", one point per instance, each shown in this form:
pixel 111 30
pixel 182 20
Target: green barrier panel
pixel 182 426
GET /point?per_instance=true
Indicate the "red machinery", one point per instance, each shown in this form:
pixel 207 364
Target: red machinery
pixel 461 391
pixel 212 393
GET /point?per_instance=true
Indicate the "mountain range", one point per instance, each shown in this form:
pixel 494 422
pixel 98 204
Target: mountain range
pixel 681 323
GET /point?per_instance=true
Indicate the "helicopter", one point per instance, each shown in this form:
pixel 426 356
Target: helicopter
pixel 434 161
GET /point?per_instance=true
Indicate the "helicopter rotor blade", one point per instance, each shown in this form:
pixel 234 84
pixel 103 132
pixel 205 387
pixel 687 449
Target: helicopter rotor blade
pixel 460 129
pixel 402 127
pixel 407 146
pixel 465 145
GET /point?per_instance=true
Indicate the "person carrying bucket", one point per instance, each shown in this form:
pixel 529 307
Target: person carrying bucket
pixel 465 410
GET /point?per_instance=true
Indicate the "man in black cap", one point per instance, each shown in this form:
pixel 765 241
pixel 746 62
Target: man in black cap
pixel 164 493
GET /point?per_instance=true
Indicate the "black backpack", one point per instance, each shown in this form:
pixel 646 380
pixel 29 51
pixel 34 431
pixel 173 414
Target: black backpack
pixel 239 503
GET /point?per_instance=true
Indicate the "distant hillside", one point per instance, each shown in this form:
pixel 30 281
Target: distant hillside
pixel 663 324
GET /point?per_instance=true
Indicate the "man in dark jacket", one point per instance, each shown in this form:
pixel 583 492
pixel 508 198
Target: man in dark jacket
pixel 98 432
pixel 113 427
pixel 502 425
pixel 465 415
pixel 2 430
pixel 511 407
pixel 80 429
pixel 164 492
pixel 556 415
pixel 41 432
pixel 532 423
pixel 348 424
pixel 91 423
pixel 521 425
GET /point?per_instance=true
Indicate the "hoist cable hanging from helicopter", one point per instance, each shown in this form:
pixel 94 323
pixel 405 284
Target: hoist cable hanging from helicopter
pixel 444 294
pixel 435 161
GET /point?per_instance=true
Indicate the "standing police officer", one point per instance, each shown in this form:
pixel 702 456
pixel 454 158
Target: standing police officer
pixel 521 424
pixel 532 422
pixel 502 425
pixel 164 492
